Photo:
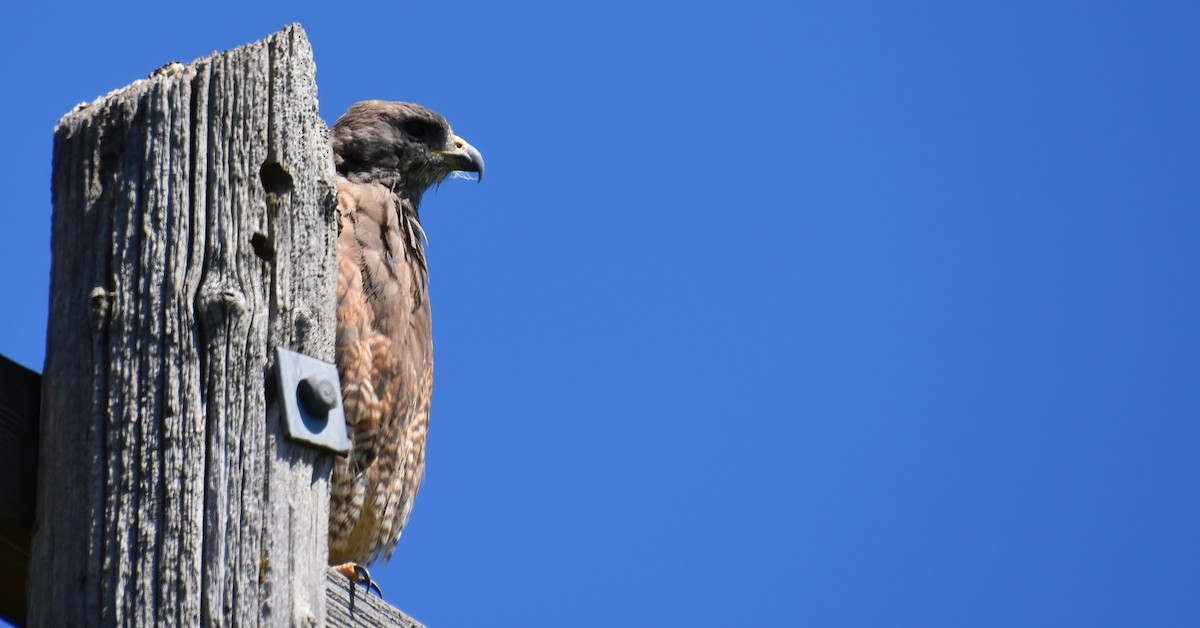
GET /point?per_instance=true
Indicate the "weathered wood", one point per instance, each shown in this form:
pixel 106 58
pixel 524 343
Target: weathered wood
pixel 354 608
pixel 20 399
pixel 193 231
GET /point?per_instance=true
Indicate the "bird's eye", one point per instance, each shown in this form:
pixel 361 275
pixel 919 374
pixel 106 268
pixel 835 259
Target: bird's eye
pixel 418 130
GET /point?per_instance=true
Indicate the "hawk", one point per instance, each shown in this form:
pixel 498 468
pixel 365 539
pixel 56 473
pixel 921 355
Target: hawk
pixel 386 154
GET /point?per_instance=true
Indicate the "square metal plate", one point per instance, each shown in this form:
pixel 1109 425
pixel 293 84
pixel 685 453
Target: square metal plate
pixel 326 432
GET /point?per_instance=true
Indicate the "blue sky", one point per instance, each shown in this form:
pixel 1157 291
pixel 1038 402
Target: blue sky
pixel 767 314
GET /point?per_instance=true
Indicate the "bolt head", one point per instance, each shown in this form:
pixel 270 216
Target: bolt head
pixel 317 394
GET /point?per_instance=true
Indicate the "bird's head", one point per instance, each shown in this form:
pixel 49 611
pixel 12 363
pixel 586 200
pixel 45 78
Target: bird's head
pixel 401 145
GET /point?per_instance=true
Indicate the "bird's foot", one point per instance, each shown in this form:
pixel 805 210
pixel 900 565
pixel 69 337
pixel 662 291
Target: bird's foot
pixel 358 575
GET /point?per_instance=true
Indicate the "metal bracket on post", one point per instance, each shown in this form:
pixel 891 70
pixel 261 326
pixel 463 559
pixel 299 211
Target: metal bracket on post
pixel 312 401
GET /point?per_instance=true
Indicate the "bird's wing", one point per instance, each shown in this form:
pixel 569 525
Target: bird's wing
pixel 359 343
pixel 386 366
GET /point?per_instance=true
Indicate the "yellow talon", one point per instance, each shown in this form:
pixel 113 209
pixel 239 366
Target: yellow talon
pixel 357 574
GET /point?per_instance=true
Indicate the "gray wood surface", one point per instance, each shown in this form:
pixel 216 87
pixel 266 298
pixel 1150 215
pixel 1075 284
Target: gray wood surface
pixel 356 609
pixel 193 231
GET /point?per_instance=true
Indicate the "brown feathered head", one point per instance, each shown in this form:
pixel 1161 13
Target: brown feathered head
pixel 401 145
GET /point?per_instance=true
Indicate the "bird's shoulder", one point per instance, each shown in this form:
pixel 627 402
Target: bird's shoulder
pixel 365 200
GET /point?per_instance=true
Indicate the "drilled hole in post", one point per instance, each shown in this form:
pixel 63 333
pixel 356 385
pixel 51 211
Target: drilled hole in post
pixel 262 247
pixel 275 178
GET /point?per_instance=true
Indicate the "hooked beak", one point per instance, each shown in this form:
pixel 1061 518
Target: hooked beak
pixel 464 157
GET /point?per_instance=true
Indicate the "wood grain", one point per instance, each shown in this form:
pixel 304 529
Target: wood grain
pixel 193 231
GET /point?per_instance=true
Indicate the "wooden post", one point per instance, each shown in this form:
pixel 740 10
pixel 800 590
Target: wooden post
pixel 19 409
pixel 194 231
pixel 351 607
